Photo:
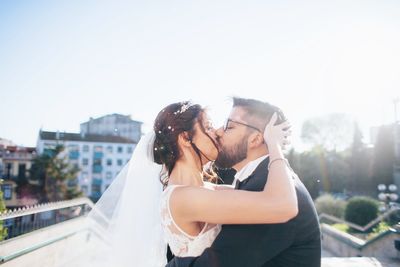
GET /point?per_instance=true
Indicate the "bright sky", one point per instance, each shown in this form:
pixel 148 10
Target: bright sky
pixel 62 62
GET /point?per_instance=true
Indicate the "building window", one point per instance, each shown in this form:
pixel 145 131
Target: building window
pixel 108 175
pixel 129 150
pixel 119 162
pixel 85 148
pixel 8 170
pixel 7 189
pixel 98 149
pixel 119 149
pixel 21 171
pixel 73 148
pixel 109 162
pixel 85 161
pixel 109 149
pixel 97 162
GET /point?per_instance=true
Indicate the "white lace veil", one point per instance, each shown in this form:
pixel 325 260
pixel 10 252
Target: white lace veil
pixel 126 222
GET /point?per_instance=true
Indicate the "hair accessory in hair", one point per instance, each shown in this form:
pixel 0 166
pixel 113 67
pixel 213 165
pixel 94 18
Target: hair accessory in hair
pixel 183 108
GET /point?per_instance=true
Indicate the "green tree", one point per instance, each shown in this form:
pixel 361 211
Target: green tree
pixel 337 171
pixel 306 165
pixel 3 230
pixel 383 158
pixel 359 160
pixel 329 136
pixel 55 175
pixel 331 132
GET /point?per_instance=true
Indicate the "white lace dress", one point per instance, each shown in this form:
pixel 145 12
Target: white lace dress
pixel 181 243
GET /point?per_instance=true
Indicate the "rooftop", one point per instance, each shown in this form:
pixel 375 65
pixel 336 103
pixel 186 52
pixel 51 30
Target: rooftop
pixel 63 136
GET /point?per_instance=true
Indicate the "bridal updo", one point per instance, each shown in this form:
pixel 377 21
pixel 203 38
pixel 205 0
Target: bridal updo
pixel 173 120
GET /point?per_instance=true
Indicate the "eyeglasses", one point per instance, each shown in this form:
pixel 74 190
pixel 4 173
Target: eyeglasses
pixel 241 123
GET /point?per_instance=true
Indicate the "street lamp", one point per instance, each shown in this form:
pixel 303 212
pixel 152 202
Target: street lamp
pixel 387 195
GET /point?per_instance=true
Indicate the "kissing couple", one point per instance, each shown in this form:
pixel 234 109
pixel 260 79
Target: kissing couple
pixel 167 195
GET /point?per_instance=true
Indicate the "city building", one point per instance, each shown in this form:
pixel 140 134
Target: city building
pixel 99 157
pixel 113 124
pixel 15 163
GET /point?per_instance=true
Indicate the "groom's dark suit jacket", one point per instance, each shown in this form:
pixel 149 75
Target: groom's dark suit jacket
pixel 296 243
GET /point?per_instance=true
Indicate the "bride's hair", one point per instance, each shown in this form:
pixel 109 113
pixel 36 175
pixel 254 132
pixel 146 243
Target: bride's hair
pixel 173 120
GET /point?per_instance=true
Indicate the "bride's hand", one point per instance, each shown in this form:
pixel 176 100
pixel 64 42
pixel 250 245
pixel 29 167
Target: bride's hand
pixel 277 134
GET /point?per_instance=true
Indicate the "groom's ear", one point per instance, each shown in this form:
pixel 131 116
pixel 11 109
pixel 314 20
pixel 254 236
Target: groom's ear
pixel 256 139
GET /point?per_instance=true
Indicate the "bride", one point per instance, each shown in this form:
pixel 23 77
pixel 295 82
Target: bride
pixel 161 196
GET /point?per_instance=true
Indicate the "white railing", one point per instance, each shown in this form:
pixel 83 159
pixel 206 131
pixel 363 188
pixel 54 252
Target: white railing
pixel 28 210
pixel 72 225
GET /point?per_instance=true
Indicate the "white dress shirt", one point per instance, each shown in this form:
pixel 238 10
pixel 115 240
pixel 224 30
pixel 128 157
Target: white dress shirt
pixel 248 169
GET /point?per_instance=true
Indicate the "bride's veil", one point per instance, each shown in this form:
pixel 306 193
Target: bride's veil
pixel 126 223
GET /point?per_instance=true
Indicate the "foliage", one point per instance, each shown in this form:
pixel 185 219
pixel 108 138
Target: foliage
pixel 332 131
pixel 3 230
pixel 329 205
pixel 377 230
pixel 55 175
pixel 307 168
pixel 383 158
pixel 360 160
pixel 361 210
pixel 380 228
pixel 341 227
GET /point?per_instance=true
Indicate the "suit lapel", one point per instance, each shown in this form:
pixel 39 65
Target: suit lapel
pixel 256 181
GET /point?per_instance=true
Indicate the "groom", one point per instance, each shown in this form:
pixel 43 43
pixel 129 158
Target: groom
pixel 295 243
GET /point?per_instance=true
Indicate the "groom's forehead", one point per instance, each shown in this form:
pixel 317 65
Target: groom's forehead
pixel 237 113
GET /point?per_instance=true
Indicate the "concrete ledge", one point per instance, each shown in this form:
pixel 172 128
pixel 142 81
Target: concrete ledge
pixel 359 262
pixel 342 244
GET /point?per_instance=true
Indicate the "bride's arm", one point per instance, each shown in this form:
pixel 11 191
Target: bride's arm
pixel 276 204
pixel 220 186
pixel 224 187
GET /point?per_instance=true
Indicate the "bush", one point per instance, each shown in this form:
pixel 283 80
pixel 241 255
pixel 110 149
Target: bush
pixel 341 227
pixel 378 229
pixel 3 230
pixel 361 210
pixel 329 205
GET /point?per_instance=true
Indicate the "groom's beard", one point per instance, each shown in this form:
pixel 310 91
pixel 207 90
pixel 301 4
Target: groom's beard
pixel 228 157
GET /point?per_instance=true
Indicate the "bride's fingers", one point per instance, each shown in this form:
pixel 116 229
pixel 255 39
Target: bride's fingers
pixel 269 128
pixel 287 133
pixel 273 119
pixel 285 125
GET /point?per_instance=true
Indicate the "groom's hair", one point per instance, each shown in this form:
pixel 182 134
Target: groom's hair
pixel 258 113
